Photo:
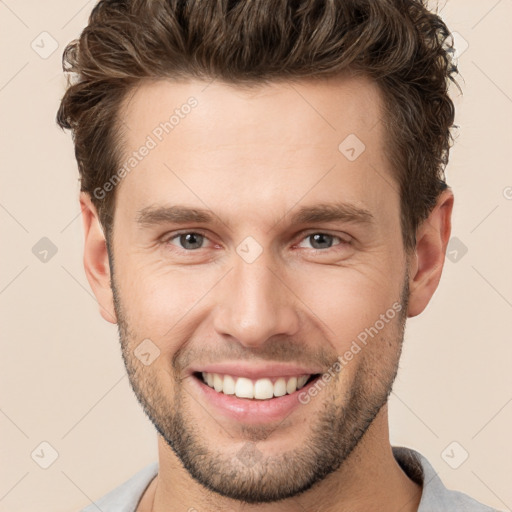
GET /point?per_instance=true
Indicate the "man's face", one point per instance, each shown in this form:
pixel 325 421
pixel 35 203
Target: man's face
pixel 270 287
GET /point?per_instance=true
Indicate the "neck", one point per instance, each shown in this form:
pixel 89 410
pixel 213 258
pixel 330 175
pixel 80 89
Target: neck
pixel 369 479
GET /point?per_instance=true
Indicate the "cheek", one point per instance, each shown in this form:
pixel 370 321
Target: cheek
pixel 158 302
pixel 349 302
pixel 165 304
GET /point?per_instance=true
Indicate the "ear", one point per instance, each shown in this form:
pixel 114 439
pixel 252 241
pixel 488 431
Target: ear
pixel 427 262
pixel 96 264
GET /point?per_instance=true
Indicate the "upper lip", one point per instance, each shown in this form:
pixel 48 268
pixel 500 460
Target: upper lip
pixel 268 370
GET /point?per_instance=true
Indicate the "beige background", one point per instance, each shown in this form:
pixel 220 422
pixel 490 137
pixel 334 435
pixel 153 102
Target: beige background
pixel 62 378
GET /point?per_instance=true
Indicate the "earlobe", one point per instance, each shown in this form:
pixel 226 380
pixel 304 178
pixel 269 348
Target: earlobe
pixel 432 240
pixel 96 263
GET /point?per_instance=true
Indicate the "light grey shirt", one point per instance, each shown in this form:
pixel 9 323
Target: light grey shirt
pixel 435 496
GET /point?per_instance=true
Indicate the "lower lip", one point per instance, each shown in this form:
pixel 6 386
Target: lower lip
pixel 246 410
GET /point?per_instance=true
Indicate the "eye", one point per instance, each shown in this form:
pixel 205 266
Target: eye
pixel 192 241
pixel 188 241
pixel 321 241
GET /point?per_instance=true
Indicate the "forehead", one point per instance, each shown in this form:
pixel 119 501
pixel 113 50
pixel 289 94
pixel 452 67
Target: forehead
pixel 308 109
pixel 271 144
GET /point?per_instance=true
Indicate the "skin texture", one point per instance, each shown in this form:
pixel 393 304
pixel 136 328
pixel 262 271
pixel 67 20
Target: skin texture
pixel 253 158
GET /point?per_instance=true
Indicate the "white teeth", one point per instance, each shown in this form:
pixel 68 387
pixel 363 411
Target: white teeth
pixel 291 385
pixel 228 385
pixel 218 382
pixel 301 381
pixel 280 387
pixel 244 388
pixel 261 389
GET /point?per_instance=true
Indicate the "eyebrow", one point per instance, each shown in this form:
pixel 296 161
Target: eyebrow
pixel 332 212
pixel 175 214
pixel 325 212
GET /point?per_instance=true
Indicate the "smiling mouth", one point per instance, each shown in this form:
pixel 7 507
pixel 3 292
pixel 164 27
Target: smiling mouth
pixel 255 389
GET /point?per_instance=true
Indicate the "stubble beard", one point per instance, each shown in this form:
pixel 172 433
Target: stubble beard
pixel 247 475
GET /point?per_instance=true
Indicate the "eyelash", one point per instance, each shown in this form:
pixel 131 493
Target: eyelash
pixel 342 242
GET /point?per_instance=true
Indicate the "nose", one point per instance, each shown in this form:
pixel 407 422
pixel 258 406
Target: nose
pixel 255 304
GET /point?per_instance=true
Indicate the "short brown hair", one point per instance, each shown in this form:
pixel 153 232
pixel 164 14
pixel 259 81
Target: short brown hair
pixel 400 44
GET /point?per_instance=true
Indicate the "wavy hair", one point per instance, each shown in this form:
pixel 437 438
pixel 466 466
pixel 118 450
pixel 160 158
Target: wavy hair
pixel 400 44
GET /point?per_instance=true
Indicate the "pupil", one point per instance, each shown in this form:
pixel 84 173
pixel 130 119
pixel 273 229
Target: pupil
pixel 319 237
pixel 191 238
